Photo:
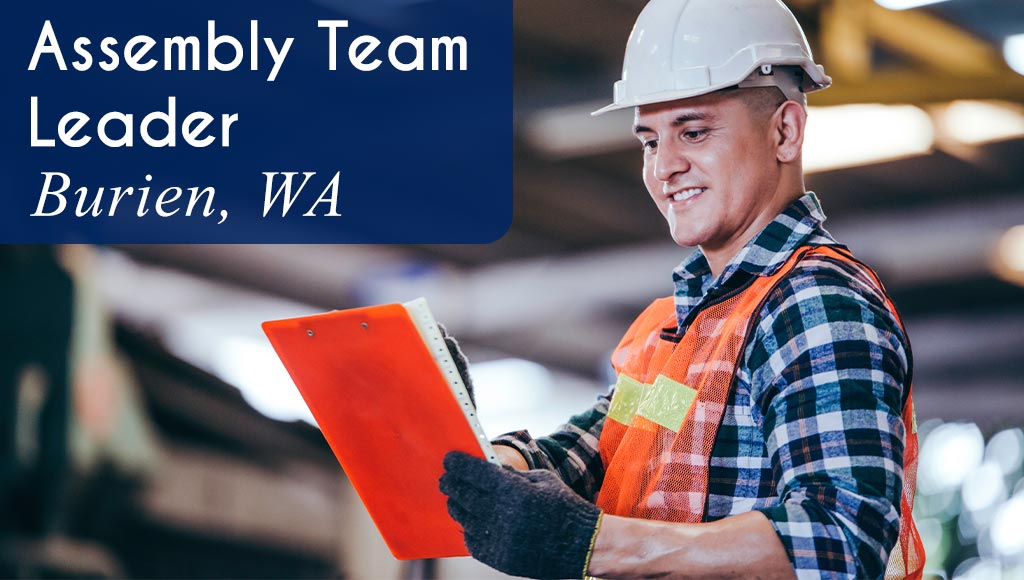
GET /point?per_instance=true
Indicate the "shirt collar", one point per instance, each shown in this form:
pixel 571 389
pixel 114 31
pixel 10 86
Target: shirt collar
pixel 798 224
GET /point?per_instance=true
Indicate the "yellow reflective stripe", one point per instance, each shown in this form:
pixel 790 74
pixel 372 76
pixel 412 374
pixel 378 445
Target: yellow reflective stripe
pixel 628 394
pixel 667 403
pixel 913 417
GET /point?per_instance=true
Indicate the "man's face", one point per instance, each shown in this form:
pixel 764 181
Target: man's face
pixel 710 166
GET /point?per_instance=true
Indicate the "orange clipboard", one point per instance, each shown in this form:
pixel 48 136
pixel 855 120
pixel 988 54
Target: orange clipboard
pixel 390 402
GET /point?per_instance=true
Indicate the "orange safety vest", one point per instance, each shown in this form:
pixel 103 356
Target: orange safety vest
pixel 669 400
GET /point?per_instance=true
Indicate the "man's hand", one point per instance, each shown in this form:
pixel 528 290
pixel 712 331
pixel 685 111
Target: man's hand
pixel 461 362
pixel 524 523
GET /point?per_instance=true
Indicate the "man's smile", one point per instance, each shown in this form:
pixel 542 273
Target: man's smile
pixel 686 194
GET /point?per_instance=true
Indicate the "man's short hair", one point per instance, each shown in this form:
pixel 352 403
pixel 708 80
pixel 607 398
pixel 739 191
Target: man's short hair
pixel 761 101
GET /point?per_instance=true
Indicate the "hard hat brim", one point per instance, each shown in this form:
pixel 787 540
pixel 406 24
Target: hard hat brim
pixel 819 81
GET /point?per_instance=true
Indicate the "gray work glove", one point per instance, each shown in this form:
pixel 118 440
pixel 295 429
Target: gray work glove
pixel 523 523
pixel 461 362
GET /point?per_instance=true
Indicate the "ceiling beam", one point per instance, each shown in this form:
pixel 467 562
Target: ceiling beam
pixel 932 41
pixel 845 40
pixel 921 88
pixel 577 26
pixel 312 273
pixel 577 204
pixel 548 34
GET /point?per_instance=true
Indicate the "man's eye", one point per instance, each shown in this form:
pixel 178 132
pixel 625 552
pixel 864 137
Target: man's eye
pixel 650 145
pixel 695 134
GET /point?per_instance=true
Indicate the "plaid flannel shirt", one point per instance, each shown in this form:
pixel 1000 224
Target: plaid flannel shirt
pixel 812 436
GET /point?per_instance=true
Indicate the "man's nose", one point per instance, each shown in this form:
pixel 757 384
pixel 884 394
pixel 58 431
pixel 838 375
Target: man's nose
pixel 671 160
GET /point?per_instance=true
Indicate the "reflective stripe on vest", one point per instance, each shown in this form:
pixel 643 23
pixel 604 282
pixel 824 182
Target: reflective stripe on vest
pixel 669 399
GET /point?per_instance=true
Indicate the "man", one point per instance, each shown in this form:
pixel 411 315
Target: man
pixel 761 425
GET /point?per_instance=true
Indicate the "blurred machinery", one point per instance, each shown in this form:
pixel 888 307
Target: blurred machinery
pixel 119 459
pixel 35 308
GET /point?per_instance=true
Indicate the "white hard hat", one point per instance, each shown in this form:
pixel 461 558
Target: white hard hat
pixel 685 48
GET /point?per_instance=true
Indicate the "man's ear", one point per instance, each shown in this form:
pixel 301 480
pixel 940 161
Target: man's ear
pixel 788 124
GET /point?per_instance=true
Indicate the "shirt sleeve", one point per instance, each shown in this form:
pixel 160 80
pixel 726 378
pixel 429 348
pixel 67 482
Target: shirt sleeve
pixel 571 451
pixel 828 364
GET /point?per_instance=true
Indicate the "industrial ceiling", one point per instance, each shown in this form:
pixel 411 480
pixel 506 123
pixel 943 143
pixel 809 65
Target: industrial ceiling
pixel 587 249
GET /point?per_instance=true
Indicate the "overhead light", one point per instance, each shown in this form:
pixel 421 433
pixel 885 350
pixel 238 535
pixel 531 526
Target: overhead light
pixel 510 385
pixel 977 569
pixel 1008 528
pixel 977 122
pixel 984 489
pixel 948 455
pixel 852 135
pixel 1006 449
pixel 510 393
pixel 1008 258
pixel 570 131
pixel 836 137
pixel 905 4
pixel 1013 52
pixel 251 365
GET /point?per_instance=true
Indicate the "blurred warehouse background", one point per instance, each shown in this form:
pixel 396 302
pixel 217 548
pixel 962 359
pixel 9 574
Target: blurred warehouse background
pixel 149 431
